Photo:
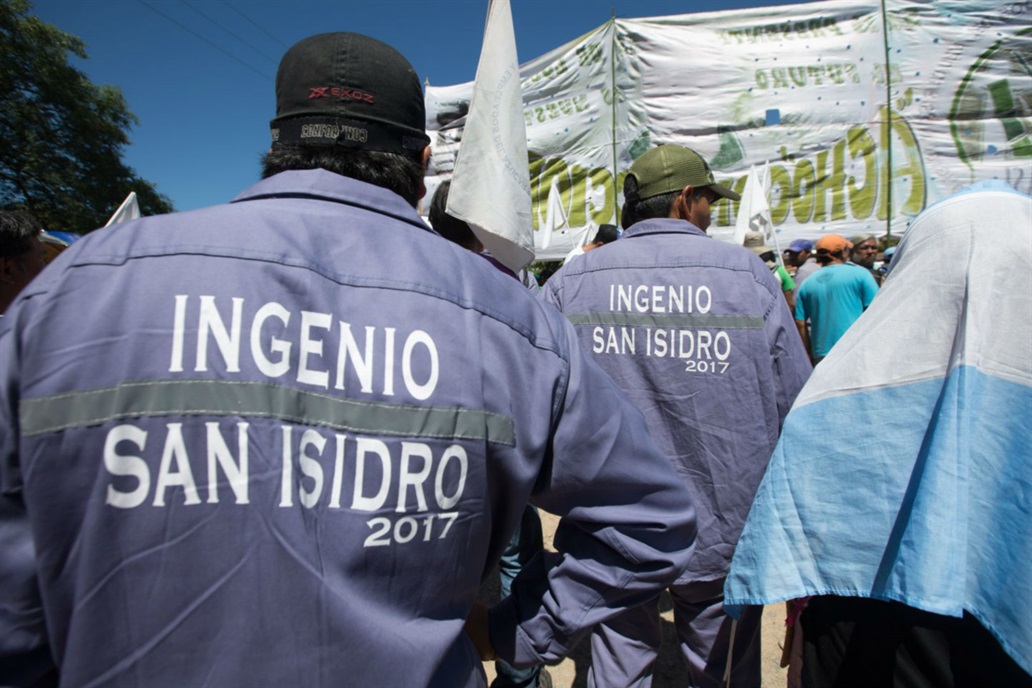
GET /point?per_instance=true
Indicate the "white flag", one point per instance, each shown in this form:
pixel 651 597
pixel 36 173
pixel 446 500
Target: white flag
pixel 491 184
pixel 769 231
pixel 129 210
pixel 555 214
pixel 754 211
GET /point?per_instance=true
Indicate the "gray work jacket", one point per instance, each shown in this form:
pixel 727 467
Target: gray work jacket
pixel 281 441
pixel 697 333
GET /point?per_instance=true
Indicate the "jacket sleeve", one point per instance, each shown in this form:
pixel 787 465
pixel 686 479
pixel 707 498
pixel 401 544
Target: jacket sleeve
pixel 627 522
pixel 549 293
pixel 789 359
pixel 24 652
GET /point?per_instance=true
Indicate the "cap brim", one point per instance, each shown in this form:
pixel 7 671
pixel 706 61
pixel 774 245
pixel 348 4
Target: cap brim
pixel 725 192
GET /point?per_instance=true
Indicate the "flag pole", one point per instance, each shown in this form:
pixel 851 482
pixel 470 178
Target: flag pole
pixel 612 87
pixel 888 122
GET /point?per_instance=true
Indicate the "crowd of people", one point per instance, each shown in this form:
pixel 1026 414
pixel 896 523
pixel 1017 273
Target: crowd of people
pixel 283 440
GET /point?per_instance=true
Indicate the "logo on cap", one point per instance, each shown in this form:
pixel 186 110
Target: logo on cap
pixel 334 131
pixel 341 93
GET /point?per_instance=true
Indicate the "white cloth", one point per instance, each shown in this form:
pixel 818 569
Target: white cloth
pixel 579 251
pixel 491 185
pixel 902 472
pixel 129 210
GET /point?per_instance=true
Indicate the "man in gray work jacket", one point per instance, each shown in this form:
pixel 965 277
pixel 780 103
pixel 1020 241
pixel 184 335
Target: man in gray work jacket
pixel 281 441
pixel 698 334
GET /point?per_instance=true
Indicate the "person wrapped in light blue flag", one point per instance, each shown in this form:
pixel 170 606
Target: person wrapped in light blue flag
pixel 904 470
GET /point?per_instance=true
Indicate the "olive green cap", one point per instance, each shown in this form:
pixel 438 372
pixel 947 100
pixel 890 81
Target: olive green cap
pixel 669 168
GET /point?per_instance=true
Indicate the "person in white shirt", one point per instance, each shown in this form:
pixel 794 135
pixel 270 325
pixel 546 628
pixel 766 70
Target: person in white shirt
pixel 606 234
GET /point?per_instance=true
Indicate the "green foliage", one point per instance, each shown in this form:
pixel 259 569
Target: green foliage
pixel 543 269
pixel 62 136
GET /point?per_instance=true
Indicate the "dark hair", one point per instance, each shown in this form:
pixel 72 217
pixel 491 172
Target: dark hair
pixel 17 227
pixel 824 256
pixel 647 209
pixel 397 172
pixel 451 228
pixel 606 234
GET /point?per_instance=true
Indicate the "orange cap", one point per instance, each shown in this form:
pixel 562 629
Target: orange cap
pixel 832 243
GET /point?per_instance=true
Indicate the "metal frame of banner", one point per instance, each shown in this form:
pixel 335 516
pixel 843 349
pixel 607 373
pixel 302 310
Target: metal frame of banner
pixel 888 119
pixel 612 134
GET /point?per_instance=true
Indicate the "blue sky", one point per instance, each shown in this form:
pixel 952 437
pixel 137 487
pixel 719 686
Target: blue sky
pixel 199 74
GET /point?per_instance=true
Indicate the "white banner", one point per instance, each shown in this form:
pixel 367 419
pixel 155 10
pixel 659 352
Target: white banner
pixel 863 121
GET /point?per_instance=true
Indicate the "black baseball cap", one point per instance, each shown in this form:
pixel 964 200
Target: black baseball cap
pixel 349 90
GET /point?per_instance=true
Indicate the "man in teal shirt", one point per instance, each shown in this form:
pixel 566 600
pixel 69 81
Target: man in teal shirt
pixel 833 297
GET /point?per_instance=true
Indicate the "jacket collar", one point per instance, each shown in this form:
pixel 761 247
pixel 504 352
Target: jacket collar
pixel 662 226
pixel 327 186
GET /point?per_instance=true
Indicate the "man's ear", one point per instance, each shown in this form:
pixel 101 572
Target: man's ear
pixel 682 206
pixel 7 269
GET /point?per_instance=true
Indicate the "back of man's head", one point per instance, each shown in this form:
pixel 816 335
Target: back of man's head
pixel 659 175
pixel 451 228
pixel 352 105
pixel 17 228
pixel 21 254
pixel 832 248
pixel 606 234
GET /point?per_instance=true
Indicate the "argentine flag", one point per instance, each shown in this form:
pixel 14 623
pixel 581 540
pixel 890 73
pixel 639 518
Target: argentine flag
pixel 904 470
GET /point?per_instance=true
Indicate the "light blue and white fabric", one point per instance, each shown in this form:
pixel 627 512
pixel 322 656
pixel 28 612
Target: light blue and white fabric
pixel 904 470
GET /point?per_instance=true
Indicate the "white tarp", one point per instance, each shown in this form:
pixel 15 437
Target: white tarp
pixel 801 87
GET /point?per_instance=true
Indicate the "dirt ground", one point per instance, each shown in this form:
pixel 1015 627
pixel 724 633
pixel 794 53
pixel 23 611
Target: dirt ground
pixel 572 672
